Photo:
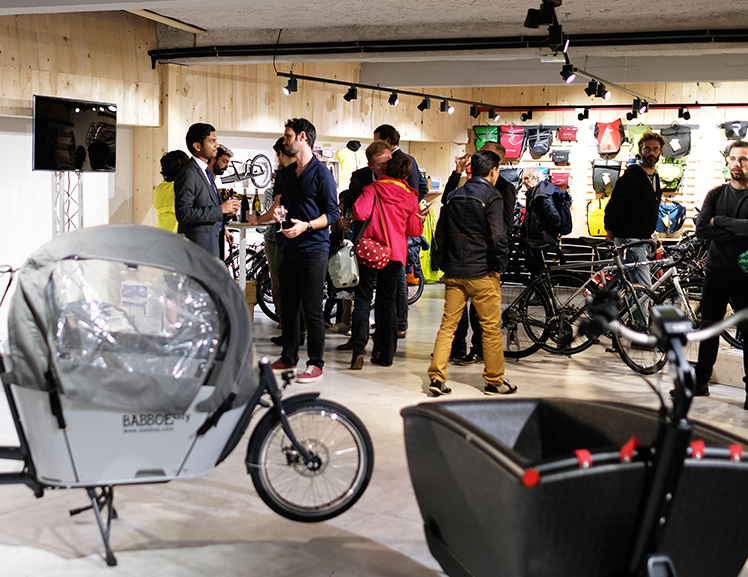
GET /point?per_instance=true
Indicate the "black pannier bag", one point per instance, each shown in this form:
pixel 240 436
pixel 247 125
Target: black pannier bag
pixel 677 141
pixel 539 140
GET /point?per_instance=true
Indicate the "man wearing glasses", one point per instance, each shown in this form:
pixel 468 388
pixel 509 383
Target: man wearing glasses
pixel 633 210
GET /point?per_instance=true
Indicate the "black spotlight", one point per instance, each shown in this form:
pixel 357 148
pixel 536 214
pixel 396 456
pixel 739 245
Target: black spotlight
pixel 684 113
pixel 446 107
pixel 602 92
pixel 474 111
pixel 556 37
pixel 352 94
pixel 644 107
pixel 631 115
pixel 393 100
pixel 567 73
pixel 584 114
pixel 547 14
pixel 292 86
pixel 492 114
pixel 533 18
pixel 425 104
pixel 591 89
pixel 525 116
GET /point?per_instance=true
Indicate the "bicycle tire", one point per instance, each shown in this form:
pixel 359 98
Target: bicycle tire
pixel 564 336
pixel 644 360
pixel 265 294
pixel 523 318
pixel 297 490
pixel 415 291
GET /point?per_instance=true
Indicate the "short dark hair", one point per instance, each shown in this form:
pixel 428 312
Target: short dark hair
pixel 172 162
pixel 279 147
pixel 736 144
pixel 386 131
pixel 650 136
pixel 299 125
pixel 198 132
pixel 376 148
pixel 483 161
pixel 399 166
pixel 224 151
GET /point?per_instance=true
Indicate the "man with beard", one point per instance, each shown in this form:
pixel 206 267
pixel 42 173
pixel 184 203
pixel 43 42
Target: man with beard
pixel 634 206
pixel 723 220
pixel 218 166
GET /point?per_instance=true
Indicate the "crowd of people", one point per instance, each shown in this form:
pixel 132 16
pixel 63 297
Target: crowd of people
pixel 470 245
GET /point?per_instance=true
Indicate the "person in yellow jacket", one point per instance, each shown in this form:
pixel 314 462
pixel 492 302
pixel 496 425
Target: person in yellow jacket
pixel 163 195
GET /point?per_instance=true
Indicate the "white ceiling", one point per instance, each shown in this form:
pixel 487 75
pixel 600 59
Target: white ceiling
pixel 255 22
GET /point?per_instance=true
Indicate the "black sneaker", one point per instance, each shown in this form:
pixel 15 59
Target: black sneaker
pixel 471 358
pixel 505 389
pixel 438 388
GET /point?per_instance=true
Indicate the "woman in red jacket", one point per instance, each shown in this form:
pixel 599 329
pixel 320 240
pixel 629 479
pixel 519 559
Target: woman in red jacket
pixel 402 218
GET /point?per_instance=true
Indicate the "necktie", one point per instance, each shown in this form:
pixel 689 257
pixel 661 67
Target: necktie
pixel 212 182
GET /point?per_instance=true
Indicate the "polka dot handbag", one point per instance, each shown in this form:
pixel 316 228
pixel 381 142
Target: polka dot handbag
pixel 370 252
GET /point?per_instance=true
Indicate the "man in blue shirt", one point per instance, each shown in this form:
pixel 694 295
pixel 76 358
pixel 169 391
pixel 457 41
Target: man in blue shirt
pixel 309 200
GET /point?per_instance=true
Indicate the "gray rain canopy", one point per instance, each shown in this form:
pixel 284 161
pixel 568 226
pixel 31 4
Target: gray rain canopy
pixel 130 317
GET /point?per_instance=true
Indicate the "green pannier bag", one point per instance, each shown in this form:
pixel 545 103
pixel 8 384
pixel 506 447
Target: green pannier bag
pixel 671 172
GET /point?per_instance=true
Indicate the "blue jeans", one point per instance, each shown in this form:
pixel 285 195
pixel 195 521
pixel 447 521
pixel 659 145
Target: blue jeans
pixel 640 274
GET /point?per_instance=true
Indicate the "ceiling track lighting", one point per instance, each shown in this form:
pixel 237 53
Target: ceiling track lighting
pixel 591 89
pixel 352 94
pixel 602 91
pixel 644 107
pixel 393 99
pixel 567 73
pixel 425 104
pixel 292 86
pixel 493 115
pixel 525 116
pixel 684 113
pixel 631 115
pixel 474 111
pixel 446 107
pixel 584 114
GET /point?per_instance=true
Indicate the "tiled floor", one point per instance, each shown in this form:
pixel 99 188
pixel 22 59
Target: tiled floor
pixel 217 525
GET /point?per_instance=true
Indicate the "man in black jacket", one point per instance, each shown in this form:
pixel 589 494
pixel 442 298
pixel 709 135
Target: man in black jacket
pixel 723 220
pixel 471 249
pixel 634 206
pixel 542 220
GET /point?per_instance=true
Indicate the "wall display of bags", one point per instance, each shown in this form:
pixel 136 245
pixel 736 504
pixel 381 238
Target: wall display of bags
pixel 539 140
pixel 513 139
pixel 485 134
pixel 567 133
pixel 672 217
pixel 560 157
pixel 735 129
pixel 634 133
pixel 609 137
pixel 671 171
pixel 560 178
pixel 677 141
pixel 596 216
pixel 605 175
pixel 512 175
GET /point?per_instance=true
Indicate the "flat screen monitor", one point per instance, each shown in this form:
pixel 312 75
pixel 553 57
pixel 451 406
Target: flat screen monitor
pixel 74 135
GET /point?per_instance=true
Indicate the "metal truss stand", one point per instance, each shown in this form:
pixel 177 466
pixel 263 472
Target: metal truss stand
pixel 67 202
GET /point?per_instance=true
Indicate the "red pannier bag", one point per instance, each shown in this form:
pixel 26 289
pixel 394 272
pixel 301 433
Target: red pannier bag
pixel 567 133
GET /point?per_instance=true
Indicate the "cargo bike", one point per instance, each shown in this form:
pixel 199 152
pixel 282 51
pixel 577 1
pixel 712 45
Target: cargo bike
pixel 129 360
pixel 575 488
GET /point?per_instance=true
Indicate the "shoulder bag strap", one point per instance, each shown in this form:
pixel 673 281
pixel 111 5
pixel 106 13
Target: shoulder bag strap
pixel 382 222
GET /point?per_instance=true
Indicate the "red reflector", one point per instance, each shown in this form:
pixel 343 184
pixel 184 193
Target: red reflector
pixel 584 457
pixel 627 451
pixel 697 449
pixel 531 478
pixel 736 452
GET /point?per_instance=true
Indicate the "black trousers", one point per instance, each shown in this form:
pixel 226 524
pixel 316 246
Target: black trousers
pixel 302 278
pixel 719 290
pixel 459 345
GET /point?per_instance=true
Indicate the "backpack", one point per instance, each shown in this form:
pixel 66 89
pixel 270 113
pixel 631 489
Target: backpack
pixel 562 201
pixel 605 175
pixel 671 218
pixel 677 141
pixel 671 172
pixel 596 216
pixel 512 175
pixel 735 129
pixel 539 140
pixel 609 136
pixel 513 139
pixel 485 134
pixel 634 134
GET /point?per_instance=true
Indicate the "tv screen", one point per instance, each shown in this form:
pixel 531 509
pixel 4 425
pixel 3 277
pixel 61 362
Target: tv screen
pixel 74 135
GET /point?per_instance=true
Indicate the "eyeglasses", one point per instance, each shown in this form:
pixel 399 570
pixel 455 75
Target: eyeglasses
pixel 647 149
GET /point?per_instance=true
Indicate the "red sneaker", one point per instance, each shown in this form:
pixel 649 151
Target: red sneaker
pixel 281 365
pixel 311 374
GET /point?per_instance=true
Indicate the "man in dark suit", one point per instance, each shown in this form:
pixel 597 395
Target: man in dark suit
pixel 377 155
pixel 391 136
pixel 196 202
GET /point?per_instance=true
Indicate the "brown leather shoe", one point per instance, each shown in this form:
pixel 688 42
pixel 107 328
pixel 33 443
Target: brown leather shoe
pixel 401 334
pixel 346 346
